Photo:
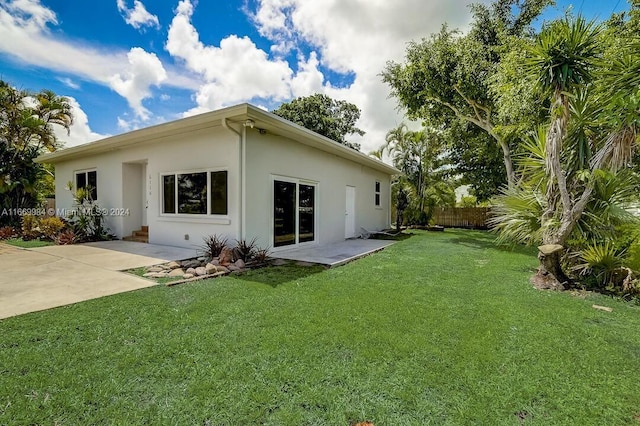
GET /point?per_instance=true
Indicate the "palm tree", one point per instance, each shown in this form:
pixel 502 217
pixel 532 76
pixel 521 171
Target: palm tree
pixel 420 156
pixel 583 145
pixel 26 130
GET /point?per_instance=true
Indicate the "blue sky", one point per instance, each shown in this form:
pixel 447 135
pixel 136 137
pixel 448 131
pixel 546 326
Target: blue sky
pixel 127 64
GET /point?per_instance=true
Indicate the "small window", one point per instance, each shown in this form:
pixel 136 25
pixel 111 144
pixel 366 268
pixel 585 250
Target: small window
pixel 219 192
pixel 201 193
pixel 88 179
pixel 377 194
pixel 169 192
pixel 192 193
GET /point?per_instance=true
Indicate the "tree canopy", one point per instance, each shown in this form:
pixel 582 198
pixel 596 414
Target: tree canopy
pixel 447 76
pixel 332 118
pixel 26 131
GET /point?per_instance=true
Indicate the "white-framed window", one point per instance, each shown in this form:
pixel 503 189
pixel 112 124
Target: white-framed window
pixel 87 178
pixel 195 193
pixel 377 194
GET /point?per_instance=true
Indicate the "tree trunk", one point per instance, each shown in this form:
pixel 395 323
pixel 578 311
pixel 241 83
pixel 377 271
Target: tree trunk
pixel 550 274
pixel 508 162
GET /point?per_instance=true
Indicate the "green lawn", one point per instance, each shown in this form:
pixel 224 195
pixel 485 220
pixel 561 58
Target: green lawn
pixel 441 328
pixel 19 242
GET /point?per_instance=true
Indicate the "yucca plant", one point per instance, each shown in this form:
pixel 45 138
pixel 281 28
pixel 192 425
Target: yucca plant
pixel 213 245
pixel 244 249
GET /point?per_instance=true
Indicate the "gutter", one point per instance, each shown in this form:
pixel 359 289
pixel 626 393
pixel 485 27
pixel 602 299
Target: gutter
pixel 241 164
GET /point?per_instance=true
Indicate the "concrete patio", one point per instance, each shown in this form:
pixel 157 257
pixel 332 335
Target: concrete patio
pixel 118 255
pixel 335 254
pixel 48 277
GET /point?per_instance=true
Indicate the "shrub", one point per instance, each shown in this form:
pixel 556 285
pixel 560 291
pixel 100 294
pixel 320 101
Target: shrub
pixel 87 218
pixel 30 228
pixel 50 226
pixel 7 232
pixel 260 255
pixel 66 237
pixel 603 261
pixel 244 249
pixel 213 245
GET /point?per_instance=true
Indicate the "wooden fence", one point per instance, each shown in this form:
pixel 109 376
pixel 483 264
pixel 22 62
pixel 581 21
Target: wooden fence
pixel 461 217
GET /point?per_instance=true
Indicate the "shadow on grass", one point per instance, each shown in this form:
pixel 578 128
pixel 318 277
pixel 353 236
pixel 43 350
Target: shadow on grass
pixel 398 237
pixel 276 275
pixel 487 240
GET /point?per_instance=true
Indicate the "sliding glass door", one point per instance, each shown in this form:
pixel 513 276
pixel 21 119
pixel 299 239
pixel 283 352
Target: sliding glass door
pixel 293 212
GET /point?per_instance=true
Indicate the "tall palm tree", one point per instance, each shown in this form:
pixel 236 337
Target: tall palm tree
pixel 26 130
pixel 582 139
pixel 419 155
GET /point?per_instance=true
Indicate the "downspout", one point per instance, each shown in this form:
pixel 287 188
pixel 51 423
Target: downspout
pixel 241 160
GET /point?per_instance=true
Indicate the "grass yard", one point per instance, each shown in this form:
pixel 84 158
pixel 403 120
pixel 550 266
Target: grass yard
pixel 441 328
pixel 19 242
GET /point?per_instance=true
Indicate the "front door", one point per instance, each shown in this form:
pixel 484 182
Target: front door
pixel 293 212
pixel 350 213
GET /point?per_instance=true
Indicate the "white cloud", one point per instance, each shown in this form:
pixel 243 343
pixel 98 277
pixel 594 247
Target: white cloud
pixel 68 82
pixel 358 36
pixel 80 132
pixel 144 71
pixel 235 71
pixel 138 17
pixel 25 23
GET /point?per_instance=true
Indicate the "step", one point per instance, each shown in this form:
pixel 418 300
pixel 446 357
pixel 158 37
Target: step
pixel 144 234
pixel 136 239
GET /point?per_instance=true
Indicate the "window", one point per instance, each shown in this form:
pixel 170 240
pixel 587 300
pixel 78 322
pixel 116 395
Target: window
pixel 88 178
pixel 199 193
pixel 377 194
pixel 219 192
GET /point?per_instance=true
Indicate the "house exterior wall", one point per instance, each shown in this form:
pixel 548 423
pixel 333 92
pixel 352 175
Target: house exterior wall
pixel 269 156
pixel 129 181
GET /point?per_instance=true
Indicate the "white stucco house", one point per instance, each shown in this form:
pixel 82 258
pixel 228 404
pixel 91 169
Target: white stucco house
pixel 240 172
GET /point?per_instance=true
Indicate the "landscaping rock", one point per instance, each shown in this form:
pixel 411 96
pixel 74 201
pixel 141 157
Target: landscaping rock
pixel 178 272
pixel 218 274
pixel 155 269
pixel 191 271
pixel 210 268
pixel 173 265
pixel 191 264
pixel 222 269
pixel 165 267
pixel 233 268
pixel 279 262
pixel 187 276
pixel 214 261
pixel 201 271
pixel 240 263
pixel 201 259
pixel 149 274
pixel 158 275
pixel 226 255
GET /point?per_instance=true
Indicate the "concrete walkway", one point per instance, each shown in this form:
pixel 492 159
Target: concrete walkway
pixel 335 254
pixel 47 277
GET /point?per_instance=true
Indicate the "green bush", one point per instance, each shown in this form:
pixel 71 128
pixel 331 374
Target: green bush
pixel 30 227
pixel 50 226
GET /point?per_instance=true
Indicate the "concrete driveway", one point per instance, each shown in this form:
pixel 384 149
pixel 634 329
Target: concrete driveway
pixel 47 277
